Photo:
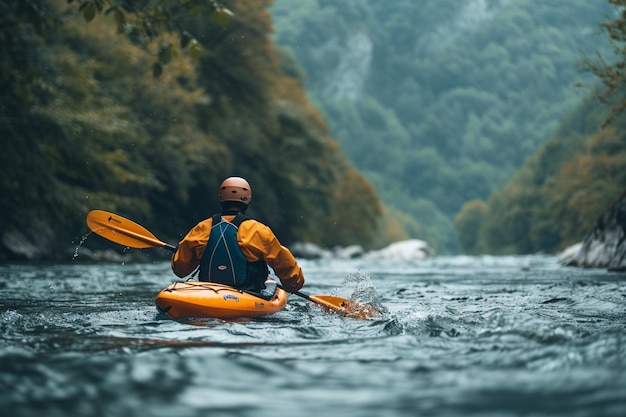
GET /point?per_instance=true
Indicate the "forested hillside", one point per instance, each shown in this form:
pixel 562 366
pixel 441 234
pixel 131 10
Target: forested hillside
pixel 436 104
pixel 85 125
pixel 439 102
pixel 554 200
pixel 572 188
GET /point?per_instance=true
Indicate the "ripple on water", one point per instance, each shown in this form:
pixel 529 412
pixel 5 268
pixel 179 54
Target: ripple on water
pixel 459 336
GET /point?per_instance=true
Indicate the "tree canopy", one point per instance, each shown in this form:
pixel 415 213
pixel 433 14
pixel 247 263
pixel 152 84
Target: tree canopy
pixel 554 200
pixel 560 192
pixel 87 125
pixel 610 68
pixel 440 102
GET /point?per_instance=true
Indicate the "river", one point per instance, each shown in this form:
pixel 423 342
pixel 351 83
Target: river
pixel 461 336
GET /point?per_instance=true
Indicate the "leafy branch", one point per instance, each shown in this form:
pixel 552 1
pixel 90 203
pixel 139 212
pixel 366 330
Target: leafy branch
pixel 611 74
pixel 144 22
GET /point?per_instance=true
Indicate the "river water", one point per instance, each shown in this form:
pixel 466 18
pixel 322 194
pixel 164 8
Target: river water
pixel 461 336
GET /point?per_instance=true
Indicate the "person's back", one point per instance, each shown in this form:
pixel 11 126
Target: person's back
pixel 232 249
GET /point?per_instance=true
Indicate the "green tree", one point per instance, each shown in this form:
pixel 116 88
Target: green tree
pixel 90 127
pixel 480 84
pixel 150 22
pixel 553 201
pixel 468 223
pixel 611 72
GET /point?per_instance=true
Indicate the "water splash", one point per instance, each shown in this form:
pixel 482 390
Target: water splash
pixel 125 252
pixel 364 291
pixel 82 240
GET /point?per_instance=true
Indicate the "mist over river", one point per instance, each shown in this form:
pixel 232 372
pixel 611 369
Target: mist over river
pixel 461 336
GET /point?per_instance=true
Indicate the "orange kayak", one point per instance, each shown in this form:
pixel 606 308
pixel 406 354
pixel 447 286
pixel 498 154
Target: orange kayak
pixel 194 299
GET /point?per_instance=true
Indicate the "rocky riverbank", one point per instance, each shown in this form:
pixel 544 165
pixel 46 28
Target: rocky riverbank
pixel 605 245
pixel 16 246
pixel 412 249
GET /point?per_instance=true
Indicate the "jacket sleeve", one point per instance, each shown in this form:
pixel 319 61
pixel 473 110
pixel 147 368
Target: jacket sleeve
pixel 257 241
pixel 190 249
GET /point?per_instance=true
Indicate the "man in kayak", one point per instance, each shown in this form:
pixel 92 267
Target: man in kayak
pixel 232 249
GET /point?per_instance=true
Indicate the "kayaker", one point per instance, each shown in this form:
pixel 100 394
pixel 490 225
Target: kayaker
pixel 232 249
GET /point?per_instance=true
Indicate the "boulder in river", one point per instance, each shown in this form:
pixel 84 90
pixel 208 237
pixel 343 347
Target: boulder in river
pixel 605 245
pixel 349 252
pixel 412 249
pixel 307 250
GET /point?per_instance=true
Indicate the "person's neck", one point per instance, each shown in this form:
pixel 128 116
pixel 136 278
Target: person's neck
pixel 231 212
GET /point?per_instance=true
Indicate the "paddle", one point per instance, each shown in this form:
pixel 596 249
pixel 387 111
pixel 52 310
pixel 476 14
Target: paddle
pixel 341 305
pixel 128 233
pixel 123 231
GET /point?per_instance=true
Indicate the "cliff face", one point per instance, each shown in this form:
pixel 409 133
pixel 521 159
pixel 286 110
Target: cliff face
pixel 605 245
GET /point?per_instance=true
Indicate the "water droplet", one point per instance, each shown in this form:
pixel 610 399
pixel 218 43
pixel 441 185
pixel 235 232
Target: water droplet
pixel 82 240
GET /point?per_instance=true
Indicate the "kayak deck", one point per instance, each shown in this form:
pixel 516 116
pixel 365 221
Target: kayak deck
pixel 194 299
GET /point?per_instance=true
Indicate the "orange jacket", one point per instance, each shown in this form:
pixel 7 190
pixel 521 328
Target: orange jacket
pixel 257 242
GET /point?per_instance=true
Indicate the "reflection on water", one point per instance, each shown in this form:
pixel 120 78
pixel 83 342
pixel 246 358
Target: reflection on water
pixel 460 336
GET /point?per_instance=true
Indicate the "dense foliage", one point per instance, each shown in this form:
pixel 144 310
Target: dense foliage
pixel 572 180
pixel 85 125
pixel 554 200
pixel 439 102
pixel 612 72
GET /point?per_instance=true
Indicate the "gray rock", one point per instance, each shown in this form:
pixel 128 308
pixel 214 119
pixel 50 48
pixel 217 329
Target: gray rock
pixel 605 245
pixel 307 250
pixel 349 252
pixel 413 249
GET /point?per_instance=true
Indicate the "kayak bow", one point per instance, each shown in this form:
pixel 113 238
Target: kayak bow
pixel 196 299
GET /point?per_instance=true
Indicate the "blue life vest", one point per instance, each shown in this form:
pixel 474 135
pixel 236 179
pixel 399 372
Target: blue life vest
pixel 224 262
